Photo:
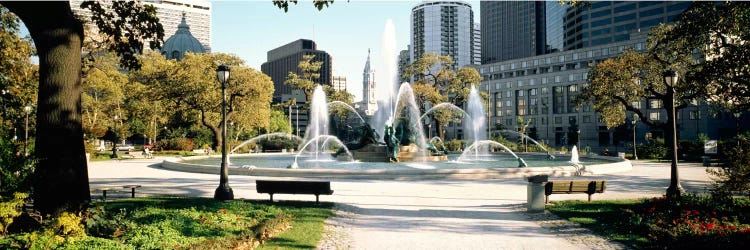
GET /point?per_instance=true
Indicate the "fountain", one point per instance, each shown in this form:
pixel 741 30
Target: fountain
pixel 266 136
pixel 574 156
pixel 396 133
pixel 549 155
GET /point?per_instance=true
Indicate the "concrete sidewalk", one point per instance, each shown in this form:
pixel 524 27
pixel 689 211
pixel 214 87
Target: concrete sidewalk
pixel 427 214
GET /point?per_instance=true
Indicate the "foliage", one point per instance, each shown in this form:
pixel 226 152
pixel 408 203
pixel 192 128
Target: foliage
pixel 184 86
pixel 453 145
pixel 654 149
pixel 734 174
pixel 18 74
pixel 103 95
pixel 306 76
pixel 163 223
pixel 437 82
pixel 10 209
pixel 695 223
pixel 127 24
pixel 182 144
pixel 319 4
pixel 279 122
pixel 720 33
pixel 278 143
pixel 15 169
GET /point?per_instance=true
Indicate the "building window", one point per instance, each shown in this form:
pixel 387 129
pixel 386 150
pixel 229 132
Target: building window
pixel 532 81
pixel 520 83
pixel 586 119
pixel 532 92
pixel 497 85
pixel 695 115
pixel 558 120
pixel 544 80
pixel 636 105
pixel 654 104
pixel 508 103
pixel 558 79
pixel 654 116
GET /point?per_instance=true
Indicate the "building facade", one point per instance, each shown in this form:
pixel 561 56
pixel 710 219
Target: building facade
pixel 197 15
pixel 512 29
pixel 403 61
pixel 544 88
pixel 339 83
pixel 476 45
pixel 443 28
pixel 282 60
pixel 369 103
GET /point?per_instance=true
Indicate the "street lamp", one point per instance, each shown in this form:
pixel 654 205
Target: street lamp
pixel 675 189
pixel 223 192
pixel 26 110
pixel 634 121
pixel 114 139
pixel 737 116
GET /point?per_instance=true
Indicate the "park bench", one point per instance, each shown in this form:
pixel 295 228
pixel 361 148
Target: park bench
pixel 572 187
pixel 104 190
pixel 294 187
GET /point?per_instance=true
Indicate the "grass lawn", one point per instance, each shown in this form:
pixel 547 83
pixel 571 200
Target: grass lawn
pixel 173 223
pixel 605 218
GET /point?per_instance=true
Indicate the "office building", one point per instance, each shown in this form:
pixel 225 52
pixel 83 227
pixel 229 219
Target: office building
pixel 339 83
pixel 443 28
pixel 512 29
pixel 476 47
pixel 282 60
pixel 197 16
pixel 403 61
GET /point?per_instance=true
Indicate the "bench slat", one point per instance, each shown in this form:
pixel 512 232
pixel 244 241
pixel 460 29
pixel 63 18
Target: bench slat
pixel 589 187
pixel 294 187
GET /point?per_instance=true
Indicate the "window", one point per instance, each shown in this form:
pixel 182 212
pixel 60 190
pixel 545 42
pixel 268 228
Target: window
pixel 497 85
pixel 636 105
pixel 532 81
pixel 586 119
pixel 654 116
pixel 532 92
pixel 508 103
pixel 654 104
pixel 695 115
pixel 558 120
pixel 544 80
pixel 520 83
pixel 544 91
pixel 520 93
pixel 558 79
pixel 508 94
pixel 508 85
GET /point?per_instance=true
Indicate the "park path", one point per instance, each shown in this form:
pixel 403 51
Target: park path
pixel 425 214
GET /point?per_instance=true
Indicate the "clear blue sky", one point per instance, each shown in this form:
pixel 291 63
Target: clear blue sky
pixel 345 30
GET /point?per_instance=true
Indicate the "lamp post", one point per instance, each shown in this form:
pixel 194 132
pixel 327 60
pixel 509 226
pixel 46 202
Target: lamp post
pixel 675 189
pixel 737 116
pixel 26 110
pixel 114 140
pixel 634 121
pixel 223 192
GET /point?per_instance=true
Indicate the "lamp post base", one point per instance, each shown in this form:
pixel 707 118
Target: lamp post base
pixel 675 192
pixel 224 193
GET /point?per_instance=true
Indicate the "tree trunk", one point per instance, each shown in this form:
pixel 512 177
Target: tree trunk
pixel 61 176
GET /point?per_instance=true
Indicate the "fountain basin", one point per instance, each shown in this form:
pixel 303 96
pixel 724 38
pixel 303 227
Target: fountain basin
pixel 406 171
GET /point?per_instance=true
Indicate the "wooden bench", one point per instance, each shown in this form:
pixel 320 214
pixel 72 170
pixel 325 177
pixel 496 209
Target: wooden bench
pixel 294 187
pixel 572 187
pixel 104 190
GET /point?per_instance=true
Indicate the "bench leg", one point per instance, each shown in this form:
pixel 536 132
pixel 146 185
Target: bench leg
pixel 317 199
pixel 132 192
pixel 589 197
pixel 271 196
pixel 104 195
pixel 546 199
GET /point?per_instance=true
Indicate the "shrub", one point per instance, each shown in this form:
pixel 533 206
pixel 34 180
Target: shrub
pixel 10 209
pixel 453 145
pixel 15 169
pixel 182 144
pixel 654 149
pixel 734 174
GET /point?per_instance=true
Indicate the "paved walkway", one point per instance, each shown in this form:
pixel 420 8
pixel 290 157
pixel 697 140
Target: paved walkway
pixel 428 214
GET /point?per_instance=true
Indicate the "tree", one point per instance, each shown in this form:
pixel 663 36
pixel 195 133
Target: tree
pixel 191 85
pixel 17 73
pixel 103 95
pixel 720 32
pixel 437 82
pixel 309 72
pixel 61 178
pixel 61 175
pixel 279 122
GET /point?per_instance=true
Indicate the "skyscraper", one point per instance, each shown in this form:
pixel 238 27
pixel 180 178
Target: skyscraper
pixel 339 83
pixel 476 47
pixel 403 61
pixel 197 16
pixel 512 29
pixel 369 101
pixel 282 60
pixel 518 29
pixel 443 28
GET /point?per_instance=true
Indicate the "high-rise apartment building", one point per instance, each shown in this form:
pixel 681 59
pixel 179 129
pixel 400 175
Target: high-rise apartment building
pixel 197 15
pixel 443 28
pixel 282 60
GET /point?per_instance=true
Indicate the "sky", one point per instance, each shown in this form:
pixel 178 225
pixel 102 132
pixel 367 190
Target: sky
pixel 346 29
